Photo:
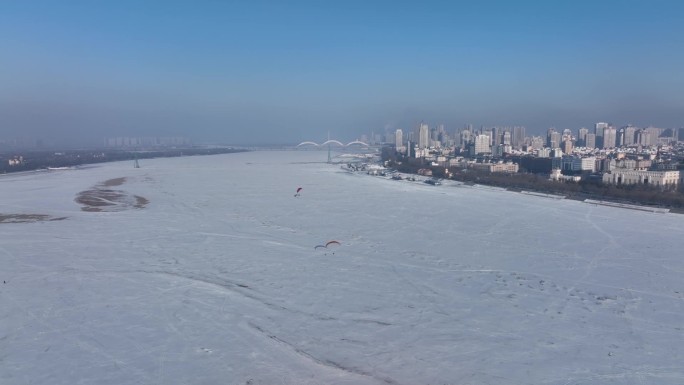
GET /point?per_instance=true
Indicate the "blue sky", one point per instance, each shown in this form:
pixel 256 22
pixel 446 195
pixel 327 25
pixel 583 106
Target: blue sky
pixel 261 71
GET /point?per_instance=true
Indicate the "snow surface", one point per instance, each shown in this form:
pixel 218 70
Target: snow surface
pixel 217 281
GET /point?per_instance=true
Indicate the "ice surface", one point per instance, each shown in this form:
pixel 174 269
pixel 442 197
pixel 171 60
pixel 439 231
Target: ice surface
pixel 216 281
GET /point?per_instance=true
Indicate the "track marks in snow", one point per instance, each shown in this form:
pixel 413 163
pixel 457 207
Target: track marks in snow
pixel 320 361
pixel 610 244
pixel 241 289
pixel 512 287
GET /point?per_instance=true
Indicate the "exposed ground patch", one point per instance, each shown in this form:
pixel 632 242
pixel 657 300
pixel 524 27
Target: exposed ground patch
pixel 114 182
pixel 26 218
pixel 103 198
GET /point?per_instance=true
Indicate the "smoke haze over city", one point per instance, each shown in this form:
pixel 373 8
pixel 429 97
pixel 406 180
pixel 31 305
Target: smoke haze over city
pixel 284 72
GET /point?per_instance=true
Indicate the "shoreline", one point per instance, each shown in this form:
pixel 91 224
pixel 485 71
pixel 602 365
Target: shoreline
pixel 580 197
pixel 45 161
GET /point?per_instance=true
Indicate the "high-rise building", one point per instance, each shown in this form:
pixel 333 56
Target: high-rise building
pixel 598 131
pixel 567 134
pixel 653 134
pixel 518 136
pixel 398 139
pixel 423 136
pixel 488 133
pixel 609 137
pixel 441 130
pixel 567 146
pixel 629 135
pixel 411 136
pixel 466 137
pixel 599 127
pixel 469 129
pixel 497 136
pixel 553 138
pixel 482 144
pixel 667 136
pixel 537 142
pixel 506 138
pixel 590 141
pixel 582 137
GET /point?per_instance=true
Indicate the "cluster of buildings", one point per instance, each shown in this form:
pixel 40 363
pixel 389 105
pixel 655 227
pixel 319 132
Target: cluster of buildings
pixel 132 142
pixel 625 155
pixel 16 160
pixel 28 143
pixel 21 143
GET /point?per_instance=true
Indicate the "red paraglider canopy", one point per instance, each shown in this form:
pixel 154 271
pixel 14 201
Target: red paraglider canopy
pixel 299 189
pixel 332 243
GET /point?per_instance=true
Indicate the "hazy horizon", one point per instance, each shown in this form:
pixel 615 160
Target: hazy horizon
pixel 270 72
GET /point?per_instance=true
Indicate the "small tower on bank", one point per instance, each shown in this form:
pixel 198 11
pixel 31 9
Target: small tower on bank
pixel 329 156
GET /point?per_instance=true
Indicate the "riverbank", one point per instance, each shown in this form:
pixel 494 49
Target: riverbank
pixel 651 198
pixel 37 160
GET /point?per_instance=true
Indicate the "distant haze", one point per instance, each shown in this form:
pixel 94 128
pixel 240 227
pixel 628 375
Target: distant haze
pixel 284 72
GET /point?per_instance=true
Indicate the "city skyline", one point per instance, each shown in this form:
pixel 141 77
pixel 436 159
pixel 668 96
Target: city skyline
pixel 422 135
pixel 266 72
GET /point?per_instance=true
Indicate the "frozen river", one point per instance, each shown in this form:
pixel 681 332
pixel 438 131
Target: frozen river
pixel 203 270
